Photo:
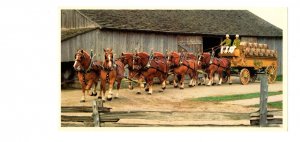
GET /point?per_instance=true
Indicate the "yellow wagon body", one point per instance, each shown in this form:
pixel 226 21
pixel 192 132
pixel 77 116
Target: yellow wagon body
pixel 250 60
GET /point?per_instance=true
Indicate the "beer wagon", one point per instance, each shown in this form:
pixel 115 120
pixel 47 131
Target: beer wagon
pixel 249 59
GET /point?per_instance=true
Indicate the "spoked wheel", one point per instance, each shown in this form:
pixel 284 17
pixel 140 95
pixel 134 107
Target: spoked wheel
pixel 271 73
pixel 245 76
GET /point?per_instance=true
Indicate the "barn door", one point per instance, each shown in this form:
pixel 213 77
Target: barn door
pixel 189 44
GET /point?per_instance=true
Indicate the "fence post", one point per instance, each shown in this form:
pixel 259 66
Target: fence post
pixel 263 100
pixel 96 115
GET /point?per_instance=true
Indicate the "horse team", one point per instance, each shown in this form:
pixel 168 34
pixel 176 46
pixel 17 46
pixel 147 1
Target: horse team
pixel 145 67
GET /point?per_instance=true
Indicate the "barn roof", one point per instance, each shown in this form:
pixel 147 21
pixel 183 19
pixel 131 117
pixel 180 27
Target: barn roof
pixel 210 22
pixel 69 33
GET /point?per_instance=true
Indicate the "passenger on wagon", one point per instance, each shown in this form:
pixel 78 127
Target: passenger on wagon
pixel 226 43
pixel 236 43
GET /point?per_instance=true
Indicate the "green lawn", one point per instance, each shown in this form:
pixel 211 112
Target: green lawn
pixel 277 105
pixel 234 97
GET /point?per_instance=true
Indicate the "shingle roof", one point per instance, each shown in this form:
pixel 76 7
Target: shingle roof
pixel 69 33
pixel 211 22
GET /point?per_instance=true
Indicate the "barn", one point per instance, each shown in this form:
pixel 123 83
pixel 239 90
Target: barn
pixel 161 30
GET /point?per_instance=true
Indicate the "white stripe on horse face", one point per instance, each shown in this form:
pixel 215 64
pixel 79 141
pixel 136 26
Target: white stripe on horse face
pixel 75 63
pixel 109 61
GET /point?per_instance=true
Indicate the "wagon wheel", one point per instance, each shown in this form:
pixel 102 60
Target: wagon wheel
pixel 244 76
pixel 272 74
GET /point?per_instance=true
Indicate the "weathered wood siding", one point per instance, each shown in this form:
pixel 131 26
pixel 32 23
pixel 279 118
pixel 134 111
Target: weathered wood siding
pixel 73 19
pixel 120 42
pixel 190 43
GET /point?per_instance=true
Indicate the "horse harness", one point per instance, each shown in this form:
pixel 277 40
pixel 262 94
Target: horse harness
pixel 219 65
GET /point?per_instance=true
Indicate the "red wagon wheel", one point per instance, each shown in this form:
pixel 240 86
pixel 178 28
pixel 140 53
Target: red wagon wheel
pixel 244 76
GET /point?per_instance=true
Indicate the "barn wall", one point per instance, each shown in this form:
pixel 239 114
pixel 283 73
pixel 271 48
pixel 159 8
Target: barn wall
pixel 126 42
pixel 73 19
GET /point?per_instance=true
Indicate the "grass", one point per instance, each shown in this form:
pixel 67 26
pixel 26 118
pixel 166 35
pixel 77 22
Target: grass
pixel 234 97
pixel 277 105
pixel 279 78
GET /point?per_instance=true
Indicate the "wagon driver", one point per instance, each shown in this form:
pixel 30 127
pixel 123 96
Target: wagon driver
pixel 236 43
pixel 225 44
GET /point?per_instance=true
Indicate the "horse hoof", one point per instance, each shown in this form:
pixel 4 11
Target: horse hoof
pixel 130 88
pixel 147 89
pixel 82 101
pixel 163 88
pixel 99 97
pixel 94 94
pixel 175 86
pixel 219 84
pixel 230 83
pixel 191 86
pixel 181 88
pixel 109 99
pixel 149 93
pixel 115 97
pixel 138 93
pixel 213 84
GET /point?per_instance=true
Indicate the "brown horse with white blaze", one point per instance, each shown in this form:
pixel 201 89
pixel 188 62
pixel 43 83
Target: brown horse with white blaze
pixel 108 75
pixel 87 72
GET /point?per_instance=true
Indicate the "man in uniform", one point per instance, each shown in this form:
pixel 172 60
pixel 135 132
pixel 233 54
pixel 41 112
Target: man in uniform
pixel 226 43
pixel 236 43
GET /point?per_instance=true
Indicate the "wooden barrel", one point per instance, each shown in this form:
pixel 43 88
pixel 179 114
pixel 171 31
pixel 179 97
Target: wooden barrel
pixel 263 52
pixel 250 44
pixel 245 44
pixel 265 46
pixel 260 53
pixel 260 46
pixel 247 51
pixel 252 50
pixel 254 45
pixel 255 52
pixel 275 54
pixel 268 52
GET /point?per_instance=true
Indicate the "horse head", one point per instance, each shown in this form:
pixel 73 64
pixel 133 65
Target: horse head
pixel 82 60
pixel 127 59
pixel 173 58
pixel 205 58
pixel 140 59
pixel 108 56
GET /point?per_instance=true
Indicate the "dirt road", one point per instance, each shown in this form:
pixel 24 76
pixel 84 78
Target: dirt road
pixel 173 99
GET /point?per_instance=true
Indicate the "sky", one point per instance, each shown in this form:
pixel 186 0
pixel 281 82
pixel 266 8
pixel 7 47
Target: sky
pixel 275 16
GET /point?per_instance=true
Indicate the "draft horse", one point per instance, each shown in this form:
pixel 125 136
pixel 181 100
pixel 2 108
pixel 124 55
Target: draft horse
pixel 108 75
pixel 150 66
pixel 87 72
pixel 182 66
pixel 127 59
pixel 214 65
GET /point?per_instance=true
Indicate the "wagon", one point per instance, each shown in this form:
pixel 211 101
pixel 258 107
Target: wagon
pixel 249 59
